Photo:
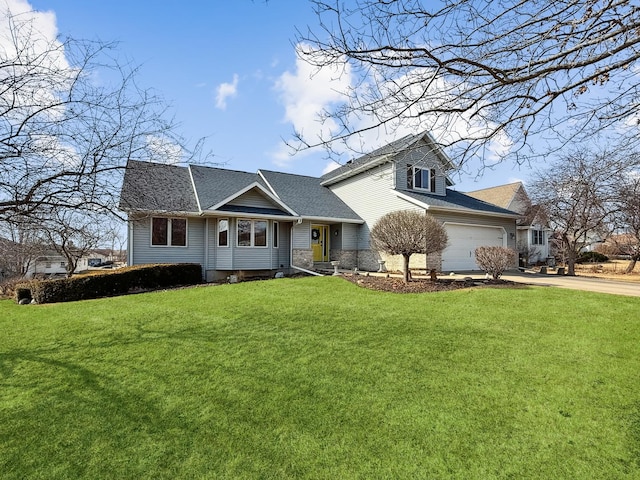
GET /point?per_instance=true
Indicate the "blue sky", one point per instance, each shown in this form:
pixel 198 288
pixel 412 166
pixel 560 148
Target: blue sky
pixel 229 71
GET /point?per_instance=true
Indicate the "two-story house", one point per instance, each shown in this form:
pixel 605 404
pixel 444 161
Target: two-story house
pixel 229 221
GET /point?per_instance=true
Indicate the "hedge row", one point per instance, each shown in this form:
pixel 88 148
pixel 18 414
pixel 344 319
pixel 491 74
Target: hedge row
pixel 108 284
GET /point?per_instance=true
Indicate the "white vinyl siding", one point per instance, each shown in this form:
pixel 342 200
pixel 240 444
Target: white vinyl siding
pixel 370 194
pixel 144 252
pixel 282 253
pixel 350 236
pixel 422 158
pixel 253 198
pixel 302 235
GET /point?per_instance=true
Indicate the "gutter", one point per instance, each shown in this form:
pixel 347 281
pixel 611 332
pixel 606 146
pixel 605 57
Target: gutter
pixel 291 265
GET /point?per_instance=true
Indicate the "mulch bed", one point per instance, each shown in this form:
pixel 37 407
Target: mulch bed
pixel 421 285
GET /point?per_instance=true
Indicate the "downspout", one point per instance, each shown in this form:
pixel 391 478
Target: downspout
pixel 206 248
pixel 304 270
pixel 130 242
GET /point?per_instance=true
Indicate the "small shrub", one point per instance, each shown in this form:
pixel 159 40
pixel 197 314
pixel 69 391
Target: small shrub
pixel 8 286
pixel 592 257
pixel 495 260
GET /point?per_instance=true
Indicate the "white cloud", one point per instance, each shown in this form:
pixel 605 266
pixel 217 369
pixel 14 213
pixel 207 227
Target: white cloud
pixel 164 150
pixel 305 93
pixel 225 91
pixel 332 165
pixel 43 22
pixel 28 37
pixel 309 91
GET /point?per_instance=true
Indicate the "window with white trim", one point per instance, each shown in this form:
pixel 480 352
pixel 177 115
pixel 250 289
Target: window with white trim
pixel 223 232
pixel 421 178
pixel 168 232
pixel 537 237
pixel 252 233
pixel 274 241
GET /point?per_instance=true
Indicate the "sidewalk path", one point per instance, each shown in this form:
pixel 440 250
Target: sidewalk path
pixel 615 287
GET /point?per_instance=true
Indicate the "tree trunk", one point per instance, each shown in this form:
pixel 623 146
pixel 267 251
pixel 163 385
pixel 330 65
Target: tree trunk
pixel 632 264
pixel 407 272
pixel 571 256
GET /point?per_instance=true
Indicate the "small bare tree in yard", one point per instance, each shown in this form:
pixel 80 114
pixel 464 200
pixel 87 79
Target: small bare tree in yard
pixel 407 232
pixel 580 191
pixel 495 260
pixel 74 234
pixel 629 219
pixel 20 246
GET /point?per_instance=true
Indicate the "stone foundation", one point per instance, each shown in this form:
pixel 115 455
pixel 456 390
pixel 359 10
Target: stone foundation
pixel 417 261
pixel 368 261
pixel 303 258
pixel 348 258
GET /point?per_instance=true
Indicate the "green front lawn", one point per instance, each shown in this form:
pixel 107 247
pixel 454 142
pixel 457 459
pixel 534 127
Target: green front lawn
pixel 318 378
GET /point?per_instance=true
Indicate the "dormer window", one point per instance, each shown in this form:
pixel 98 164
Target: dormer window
pixel 421 178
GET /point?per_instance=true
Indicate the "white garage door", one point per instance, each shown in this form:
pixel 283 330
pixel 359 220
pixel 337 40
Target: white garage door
pixel 463 241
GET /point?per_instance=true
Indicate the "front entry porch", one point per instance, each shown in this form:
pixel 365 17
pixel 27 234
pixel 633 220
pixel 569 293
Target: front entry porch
pixel 320 243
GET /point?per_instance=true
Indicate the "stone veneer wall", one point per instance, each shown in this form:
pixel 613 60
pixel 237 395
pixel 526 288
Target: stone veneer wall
pixel 303 258
pixel 368 260
pixel 394 263
pixel 347 258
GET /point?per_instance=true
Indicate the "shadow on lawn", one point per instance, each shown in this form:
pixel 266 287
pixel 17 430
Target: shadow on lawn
pixel 70 418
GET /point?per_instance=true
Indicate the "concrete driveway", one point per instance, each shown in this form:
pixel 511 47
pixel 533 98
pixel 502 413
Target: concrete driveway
pixel 576 283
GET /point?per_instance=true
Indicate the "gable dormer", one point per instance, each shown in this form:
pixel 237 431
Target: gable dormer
pixel 422 168
pixel 419 165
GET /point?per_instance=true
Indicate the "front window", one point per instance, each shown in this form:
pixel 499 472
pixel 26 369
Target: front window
pixel 223 232
pixel 244 233
pixel 421 178
pixel 275 235
pixel 169 232
pixel 537 237
pixel 252 233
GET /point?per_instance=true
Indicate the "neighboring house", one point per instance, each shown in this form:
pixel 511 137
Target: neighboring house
pixel 619 244
pixel 36 260
pixel 533 234
pixel 230 221
pixel 52 263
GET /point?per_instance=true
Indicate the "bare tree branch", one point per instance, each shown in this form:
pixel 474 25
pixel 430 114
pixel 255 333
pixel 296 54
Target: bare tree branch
pixel 510 69
pixel 580 193
pixel 71 117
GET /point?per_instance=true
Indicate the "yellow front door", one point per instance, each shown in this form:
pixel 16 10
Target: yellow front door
pixel 320 243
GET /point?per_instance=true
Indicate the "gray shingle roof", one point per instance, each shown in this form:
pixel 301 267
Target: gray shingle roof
pixel 374 157
pixel 160 187
pixel 157 187
pixel 307 197
pixel 216 184
pixel 457 201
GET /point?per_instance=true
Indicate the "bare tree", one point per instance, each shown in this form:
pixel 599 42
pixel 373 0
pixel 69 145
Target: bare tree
pixel 579 192
pixel 495 260
pixel 70 118
pixel 527 252
pixel 20 246
pixel 629 215
pixel 407 232
pixel 508 70
pixel 74 234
